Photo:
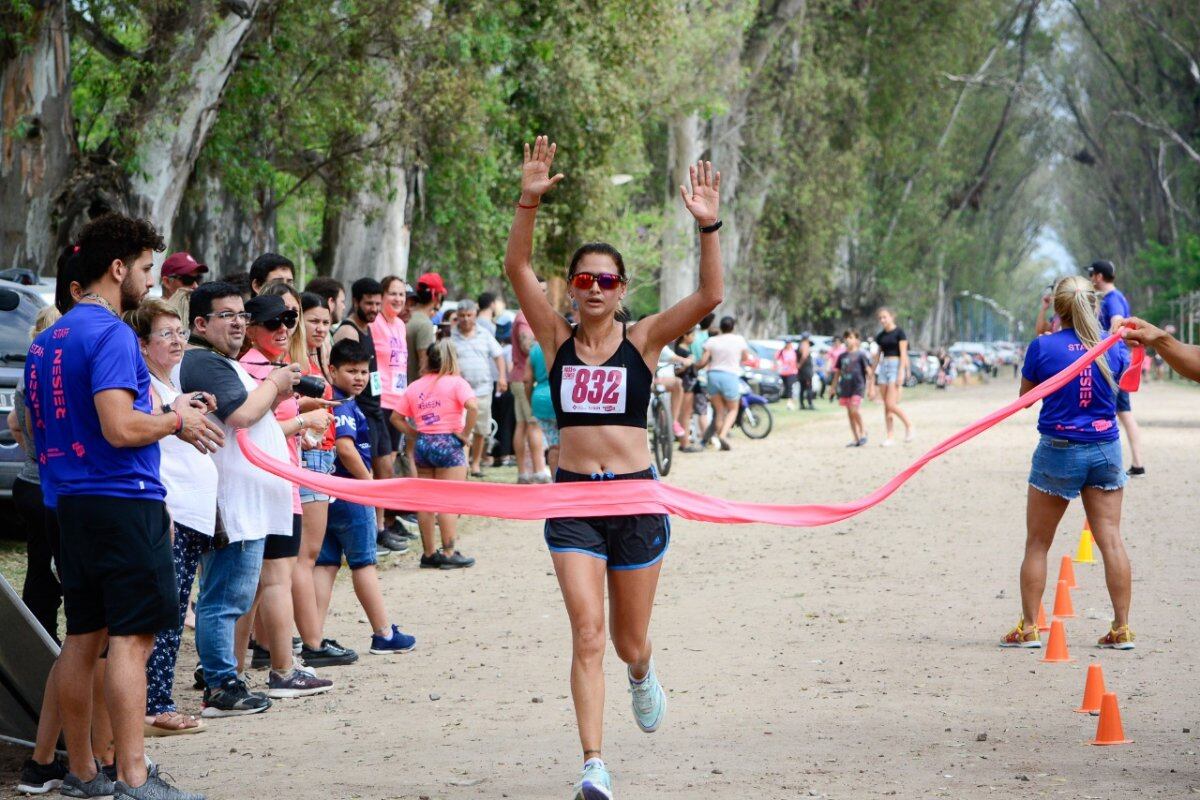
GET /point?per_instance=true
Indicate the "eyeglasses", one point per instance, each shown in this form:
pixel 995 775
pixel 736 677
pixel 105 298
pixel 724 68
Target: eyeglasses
pixel 186 280
pixel 228 316
pixel 167 335
pixel 287 318
pixel 606 280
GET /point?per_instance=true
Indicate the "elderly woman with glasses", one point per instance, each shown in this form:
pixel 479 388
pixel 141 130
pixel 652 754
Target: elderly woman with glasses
pixel 275 337
pixel 190 478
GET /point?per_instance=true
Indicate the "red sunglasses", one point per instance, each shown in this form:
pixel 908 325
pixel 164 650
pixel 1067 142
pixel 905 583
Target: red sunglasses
pixel 607 281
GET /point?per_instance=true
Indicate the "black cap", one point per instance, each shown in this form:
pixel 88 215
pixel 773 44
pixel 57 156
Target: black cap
pixel 1103 268
pixel 265 307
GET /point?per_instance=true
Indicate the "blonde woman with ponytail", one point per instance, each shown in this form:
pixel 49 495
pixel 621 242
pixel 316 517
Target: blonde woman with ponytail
pixel 1079 455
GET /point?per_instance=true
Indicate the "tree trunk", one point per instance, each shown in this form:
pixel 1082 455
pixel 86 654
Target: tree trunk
pixel 681 255
pixel 369 235
pixel 37 140
pixel 221 230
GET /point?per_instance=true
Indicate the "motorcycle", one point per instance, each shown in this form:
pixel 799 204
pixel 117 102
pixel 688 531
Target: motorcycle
pixel 754 415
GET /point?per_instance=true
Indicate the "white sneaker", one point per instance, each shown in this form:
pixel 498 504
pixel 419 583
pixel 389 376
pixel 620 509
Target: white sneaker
pixel 888 443
pixel 909 435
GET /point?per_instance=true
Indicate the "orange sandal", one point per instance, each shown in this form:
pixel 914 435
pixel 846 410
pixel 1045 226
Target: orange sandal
pixel 1020 636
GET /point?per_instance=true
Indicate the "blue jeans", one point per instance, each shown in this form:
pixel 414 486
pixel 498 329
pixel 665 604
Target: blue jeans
pixel 188 547
pixel 1064 468
pixel 227 585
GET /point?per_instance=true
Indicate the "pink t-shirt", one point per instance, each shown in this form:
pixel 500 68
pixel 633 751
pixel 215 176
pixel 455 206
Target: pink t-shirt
pixel 254 362
pixel 785 362
pixel 519 357
pixel 391 354
pixel 435 403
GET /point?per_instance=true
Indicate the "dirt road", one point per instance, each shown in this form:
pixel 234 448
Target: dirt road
pixel 852 661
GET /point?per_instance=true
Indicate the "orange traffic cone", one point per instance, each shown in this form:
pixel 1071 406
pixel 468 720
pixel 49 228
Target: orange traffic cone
pixel 1042 625
pixel 1093 690
pixel 1056 648
pixel 1066 572
pixel 1083 554
pixel 1062 602
pixel 1109 729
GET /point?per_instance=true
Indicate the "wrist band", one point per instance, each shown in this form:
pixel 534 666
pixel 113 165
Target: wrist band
pixel 179 426
pixel 522 205
pixel 711 228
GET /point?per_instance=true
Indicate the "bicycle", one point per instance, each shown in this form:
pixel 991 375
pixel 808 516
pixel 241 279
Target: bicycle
pixel 660 430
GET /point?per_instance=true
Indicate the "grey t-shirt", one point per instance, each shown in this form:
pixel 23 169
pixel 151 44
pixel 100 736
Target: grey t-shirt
pixel 476 359
pixel 204 370
pixel 420 333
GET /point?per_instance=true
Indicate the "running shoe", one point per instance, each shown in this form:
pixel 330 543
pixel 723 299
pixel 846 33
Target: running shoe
pixel 260 656
pixel 297 645
pixel 594 784
pixel 391 541
pixel 649 700
pixel 862 442
pixel 440 560
pixel 398 642
pixel 198 677
pixel 99 786
pixel 909 435
pixel 677 429
pixel 299 682
pixel 155 788
pixel 888 442
pixel 1135 471
pixel 1117 638
pixel 402 530
pixel 1020 636
pixel 40 778
pixel 233 699
pixel 855 443
pixel 329 654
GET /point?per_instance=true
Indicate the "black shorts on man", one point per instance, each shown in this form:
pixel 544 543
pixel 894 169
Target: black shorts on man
pixel 117 567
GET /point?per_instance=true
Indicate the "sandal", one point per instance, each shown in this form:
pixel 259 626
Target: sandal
pixel 172 723
pixel 477 474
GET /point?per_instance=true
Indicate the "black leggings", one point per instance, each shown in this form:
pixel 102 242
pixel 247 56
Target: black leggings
pixel 806 382
pixel 42 592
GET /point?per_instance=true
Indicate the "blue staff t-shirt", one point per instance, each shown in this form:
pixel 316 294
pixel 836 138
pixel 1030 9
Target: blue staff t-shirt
pixel 350 423
pixel 1113 304
pixel 88 351
pixel 1085 410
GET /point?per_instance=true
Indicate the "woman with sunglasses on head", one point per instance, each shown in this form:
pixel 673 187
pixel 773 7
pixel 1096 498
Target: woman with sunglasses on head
pixel 600 383
pixel 274 337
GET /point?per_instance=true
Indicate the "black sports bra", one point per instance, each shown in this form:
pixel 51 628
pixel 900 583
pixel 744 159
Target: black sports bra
pixel 616 392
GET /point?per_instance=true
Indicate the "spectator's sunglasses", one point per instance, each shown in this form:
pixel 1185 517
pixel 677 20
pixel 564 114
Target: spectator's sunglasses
pixel 607 280
pixel 287 318
pixel 187 280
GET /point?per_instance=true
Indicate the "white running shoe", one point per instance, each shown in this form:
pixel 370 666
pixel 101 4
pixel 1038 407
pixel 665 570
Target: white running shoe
pixel 649 700
pixel 594 784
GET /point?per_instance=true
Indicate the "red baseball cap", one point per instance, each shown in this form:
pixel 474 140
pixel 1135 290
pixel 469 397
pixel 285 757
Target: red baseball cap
pixel 431 280
pixel 182 264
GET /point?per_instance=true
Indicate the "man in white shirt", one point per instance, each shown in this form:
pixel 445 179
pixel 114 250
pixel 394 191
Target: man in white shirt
pixel 479 358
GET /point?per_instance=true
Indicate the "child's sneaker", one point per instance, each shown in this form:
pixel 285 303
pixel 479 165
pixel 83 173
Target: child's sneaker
pixel 594 784
pixel 396 643
pixel 1023 637
pixel 1118 638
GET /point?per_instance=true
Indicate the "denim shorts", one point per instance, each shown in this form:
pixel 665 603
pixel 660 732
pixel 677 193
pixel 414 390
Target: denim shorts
pixel 1123 402
pixel 888 372
pixel 1063 468
pixel 321 462
pixel 350 532
pixel 725 384
pixel 439 451
pixel 549 431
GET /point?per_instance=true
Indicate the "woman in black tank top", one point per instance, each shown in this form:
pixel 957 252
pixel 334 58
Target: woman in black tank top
pixel 600 385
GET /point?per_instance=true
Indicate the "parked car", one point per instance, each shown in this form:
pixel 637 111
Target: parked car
pixel 14 344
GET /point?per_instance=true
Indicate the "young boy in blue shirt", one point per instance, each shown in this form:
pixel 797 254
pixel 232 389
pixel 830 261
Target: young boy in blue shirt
pixel 350 531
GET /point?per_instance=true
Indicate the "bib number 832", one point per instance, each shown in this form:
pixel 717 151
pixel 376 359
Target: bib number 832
pixel 596 386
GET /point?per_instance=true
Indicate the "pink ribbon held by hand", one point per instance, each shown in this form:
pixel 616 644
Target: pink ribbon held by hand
pixel 608 498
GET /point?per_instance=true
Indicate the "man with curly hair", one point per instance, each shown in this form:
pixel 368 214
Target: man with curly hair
pixel 96 433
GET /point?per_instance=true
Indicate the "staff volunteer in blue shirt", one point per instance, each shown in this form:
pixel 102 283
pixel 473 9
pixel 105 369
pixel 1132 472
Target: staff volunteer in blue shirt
pixel 88 397
pixel 1079 454
pixel 1114 310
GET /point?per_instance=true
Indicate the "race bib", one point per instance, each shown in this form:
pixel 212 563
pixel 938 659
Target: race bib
pixel 593 390
pixel 376 385
pixel 400 381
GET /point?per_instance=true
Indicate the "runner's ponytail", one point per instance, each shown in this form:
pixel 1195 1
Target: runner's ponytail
pixel 1075 302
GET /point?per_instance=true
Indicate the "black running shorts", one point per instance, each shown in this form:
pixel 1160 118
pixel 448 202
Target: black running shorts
pixel 118 571
pixel 628 541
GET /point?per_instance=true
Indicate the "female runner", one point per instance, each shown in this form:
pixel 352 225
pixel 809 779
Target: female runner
pixel 600 383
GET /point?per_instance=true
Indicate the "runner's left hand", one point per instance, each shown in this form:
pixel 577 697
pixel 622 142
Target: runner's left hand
pixel 703 201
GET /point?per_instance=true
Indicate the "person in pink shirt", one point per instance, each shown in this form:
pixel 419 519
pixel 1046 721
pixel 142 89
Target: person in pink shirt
pixel 786 366
pixel 390 337
pixel 274 326
pixel 431 416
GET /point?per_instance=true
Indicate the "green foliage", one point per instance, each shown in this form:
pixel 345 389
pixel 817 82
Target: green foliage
pixel 1171 271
